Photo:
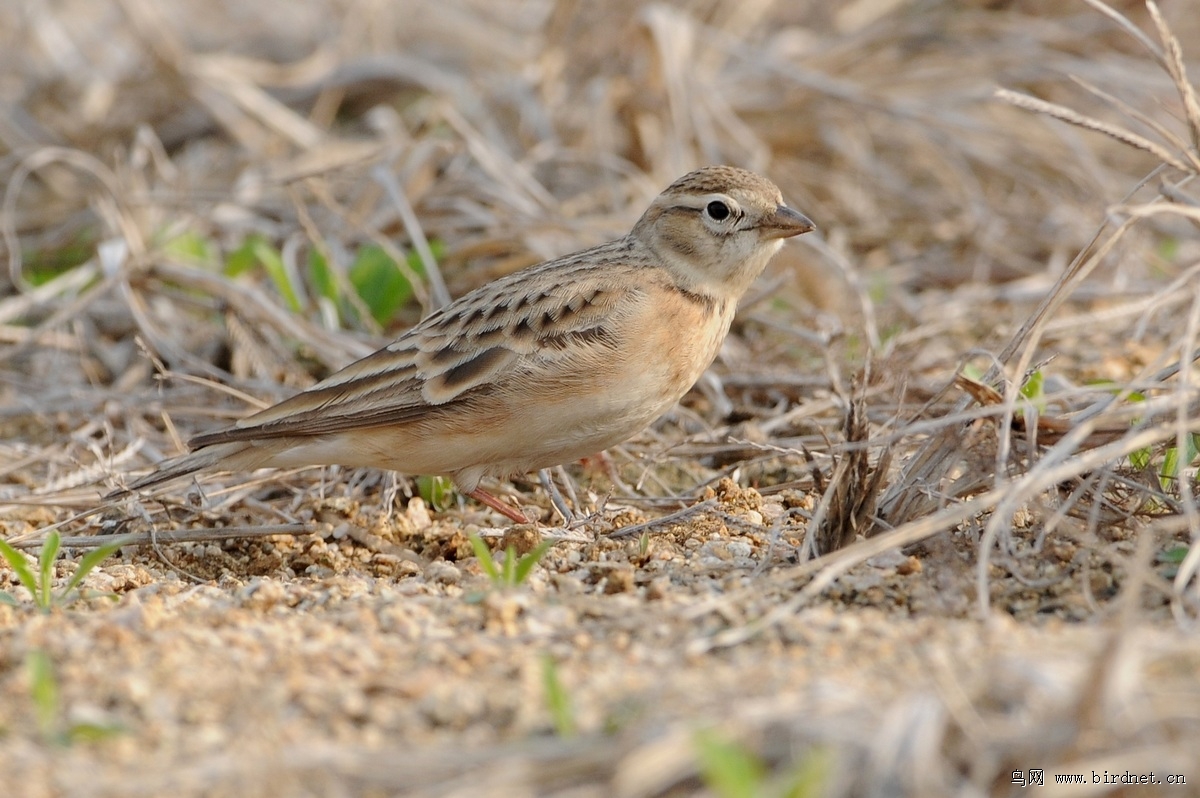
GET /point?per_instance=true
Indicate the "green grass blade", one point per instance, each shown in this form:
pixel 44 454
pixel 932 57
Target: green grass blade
pixel 92 732
pixel 380 283
pixel 272 261
pixel 729 770
pixel 562 713
pixel 484 555
pixel 1034 388
pixel 46 564
pixel 322 278
pixel 43 689
pixel 191 247
pixel 16 560
pixel 809 777
pixel 510 567
pixel 526 563
pixel 1174 555
pixel 242 259
pixel 1192 450
pixel 437 492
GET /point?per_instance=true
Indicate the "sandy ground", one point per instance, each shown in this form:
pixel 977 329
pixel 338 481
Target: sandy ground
pixel 349 663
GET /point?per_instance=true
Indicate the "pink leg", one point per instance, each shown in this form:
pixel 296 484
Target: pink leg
pixel 507 510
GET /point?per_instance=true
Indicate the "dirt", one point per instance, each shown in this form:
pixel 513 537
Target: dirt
pixel 377 656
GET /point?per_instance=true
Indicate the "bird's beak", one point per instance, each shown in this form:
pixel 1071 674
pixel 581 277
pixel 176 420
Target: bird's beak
pixel 785 223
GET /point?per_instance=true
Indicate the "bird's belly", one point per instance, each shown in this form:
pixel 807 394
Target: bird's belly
pixel 506 441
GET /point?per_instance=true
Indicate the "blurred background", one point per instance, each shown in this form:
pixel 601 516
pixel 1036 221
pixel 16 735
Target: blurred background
pixel 520 130
pixel 258 194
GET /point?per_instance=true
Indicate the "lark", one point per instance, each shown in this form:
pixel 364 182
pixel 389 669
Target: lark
pixel 542 367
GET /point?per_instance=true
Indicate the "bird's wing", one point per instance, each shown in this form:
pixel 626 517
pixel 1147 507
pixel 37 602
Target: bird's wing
pixel 507 330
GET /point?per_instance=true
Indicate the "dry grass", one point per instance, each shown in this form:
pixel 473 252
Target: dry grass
pixel 973 395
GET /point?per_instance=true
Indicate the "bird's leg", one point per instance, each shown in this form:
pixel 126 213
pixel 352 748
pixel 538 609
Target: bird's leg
pixel 567 484
pixel 507 510
pixel 556 498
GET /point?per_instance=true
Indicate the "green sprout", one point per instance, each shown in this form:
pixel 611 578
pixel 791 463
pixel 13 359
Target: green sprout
pixel 437 492
pixel 515 570
pixel 731 770
pixel 558 702
pixel 47 706
pixel 40 583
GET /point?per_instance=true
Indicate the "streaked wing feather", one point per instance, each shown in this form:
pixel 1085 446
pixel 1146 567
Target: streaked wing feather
pixel 455 354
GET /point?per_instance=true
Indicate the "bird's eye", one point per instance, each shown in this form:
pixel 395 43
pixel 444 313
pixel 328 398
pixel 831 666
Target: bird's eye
pixel 718 210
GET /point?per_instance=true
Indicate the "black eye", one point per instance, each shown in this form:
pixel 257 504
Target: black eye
pixel 718 210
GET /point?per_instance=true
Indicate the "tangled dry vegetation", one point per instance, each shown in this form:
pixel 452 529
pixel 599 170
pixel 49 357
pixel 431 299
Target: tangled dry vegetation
pixel 932 520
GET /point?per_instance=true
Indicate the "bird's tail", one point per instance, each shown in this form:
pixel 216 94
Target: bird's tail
pixel 232 456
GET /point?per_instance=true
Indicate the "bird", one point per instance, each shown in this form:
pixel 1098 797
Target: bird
pixel 544 366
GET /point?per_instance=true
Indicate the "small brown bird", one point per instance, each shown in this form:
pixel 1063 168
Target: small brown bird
pixel 541 367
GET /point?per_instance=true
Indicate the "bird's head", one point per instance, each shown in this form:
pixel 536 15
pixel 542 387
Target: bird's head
pixel 716 228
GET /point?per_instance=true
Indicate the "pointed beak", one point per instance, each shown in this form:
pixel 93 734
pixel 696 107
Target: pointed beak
pixel 785 223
